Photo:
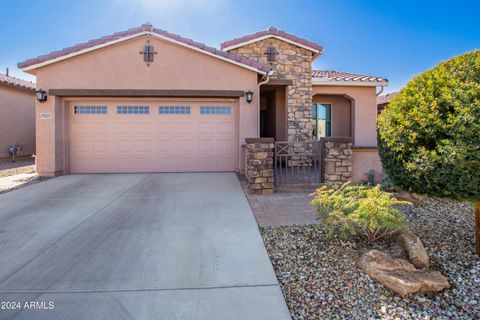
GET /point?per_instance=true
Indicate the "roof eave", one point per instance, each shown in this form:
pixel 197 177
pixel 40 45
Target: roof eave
pixel 31 68
pixel 21 88
pixel 330 82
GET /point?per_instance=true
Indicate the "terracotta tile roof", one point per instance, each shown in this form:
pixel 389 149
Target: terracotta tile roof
pixel 272 31
pixel 345 76
pixel 144 28
pixel 385 98
pixel 16 82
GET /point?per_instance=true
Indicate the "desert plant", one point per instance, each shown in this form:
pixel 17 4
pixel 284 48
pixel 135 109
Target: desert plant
pixel 429 134
pixel 386 184
pixel 362 211
pixel 371 177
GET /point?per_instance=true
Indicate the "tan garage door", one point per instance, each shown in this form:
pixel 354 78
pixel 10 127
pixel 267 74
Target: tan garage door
pixel 178 136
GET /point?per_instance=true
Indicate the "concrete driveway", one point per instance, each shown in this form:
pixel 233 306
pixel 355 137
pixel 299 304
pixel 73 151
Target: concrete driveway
pixel 135 246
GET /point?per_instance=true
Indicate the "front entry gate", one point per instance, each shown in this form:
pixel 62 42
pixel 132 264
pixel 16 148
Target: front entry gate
pixel 298 163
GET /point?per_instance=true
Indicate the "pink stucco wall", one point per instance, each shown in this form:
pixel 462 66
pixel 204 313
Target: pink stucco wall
pixel 364 126
pixel 17 120
pixel 364 160
pixel 122 67
pixel 364 109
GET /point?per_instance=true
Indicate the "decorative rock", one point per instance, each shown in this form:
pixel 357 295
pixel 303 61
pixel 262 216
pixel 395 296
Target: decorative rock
pixel 416 251
pixel 401 276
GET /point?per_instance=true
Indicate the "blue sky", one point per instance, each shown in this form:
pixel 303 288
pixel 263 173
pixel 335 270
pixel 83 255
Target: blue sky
pixel 395 39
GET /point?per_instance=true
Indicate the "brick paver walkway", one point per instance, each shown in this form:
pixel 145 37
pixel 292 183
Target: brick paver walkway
pixel 286 207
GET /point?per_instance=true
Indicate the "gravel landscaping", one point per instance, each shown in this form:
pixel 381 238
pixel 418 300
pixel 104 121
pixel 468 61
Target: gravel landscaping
pixel 320 278
pixel 9 168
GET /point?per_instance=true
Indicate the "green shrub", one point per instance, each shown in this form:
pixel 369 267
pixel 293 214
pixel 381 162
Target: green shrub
pixel 429 135
pixel 358 211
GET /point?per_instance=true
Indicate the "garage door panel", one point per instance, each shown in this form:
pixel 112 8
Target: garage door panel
pixel 206 146
pixel 152 142
pixel 125 146
pixel 143 127
pixel 225 146
pixel 101 146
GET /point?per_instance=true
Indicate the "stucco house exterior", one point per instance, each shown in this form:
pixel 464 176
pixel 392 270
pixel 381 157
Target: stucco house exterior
pixel 146 100
pixel 17 115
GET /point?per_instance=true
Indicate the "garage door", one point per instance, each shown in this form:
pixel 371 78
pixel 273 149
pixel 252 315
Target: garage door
pixel 152 137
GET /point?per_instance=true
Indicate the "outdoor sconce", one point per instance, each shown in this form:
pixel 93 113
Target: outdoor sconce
pixel 41 95
pixel 249 96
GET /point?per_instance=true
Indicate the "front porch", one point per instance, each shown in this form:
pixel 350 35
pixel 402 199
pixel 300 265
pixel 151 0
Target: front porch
pixel 331 141
pixel 330 115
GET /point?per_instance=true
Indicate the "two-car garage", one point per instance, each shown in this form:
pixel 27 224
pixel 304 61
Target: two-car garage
pixel 108 109
pixel 181 135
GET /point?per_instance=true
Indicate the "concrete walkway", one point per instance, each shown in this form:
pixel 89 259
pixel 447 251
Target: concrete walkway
pixel 135 246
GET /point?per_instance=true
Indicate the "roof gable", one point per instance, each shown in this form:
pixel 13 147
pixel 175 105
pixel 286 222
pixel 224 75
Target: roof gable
pixel 272 32
pixel 145 29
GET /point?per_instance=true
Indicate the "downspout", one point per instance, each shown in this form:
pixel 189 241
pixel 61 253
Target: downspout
pixel 264 80
pixel 381 90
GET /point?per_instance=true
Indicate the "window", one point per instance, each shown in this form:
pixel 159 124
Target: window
pixel 321 120
pixel 174 110
pixel 133 110
pixel 215 110
pixel 90 110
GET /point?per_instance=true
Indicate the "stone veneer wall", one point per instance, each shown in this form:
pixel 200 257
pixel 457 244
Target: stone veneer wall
pixel 259 165
pixel 337 157
pixel 291 63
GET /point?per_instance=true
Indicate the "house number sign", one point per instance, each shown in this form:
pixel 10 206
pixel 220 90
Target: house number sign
pixel 44 115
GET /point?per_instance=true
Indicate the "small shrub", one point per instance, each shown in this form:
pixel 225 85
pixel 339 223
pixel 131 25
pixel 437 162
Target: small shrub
pixel 371 177
pixel 358 211
pixel 386 184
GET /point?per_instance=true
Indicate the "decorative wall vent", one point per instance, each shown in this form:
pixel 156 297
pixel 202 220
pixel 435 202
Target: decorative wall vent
pixel 148 53
pixel 271 53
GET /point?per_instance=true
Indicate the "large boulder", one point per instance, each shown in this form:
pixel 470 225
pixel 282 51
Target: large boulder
pixel 401 276
pixel 417 254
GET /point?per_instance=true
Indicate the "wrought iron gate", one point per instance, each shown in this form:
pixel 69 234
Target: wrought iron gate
pixel 298 162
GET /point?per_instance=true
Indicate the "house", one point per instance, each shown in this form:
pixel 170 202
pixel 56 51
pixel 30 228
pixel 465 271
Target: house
pixel 17 115
pixel 146 100
pixel 383 100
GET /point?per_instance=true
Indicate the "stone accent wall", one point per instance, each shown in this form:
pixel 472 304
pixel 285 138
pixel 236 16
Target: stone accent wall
pixel 291 63
pixel 259 165
pixel 337 160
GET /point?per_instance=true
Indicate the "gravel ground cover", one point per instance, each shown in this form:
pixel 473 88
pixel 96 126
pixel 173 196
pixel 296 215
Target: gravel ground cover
pixel 320 278
pixel 9 168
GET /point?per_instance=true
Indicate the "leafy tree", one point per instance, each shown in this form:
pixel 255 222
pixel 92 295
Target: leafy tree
pixel 429 135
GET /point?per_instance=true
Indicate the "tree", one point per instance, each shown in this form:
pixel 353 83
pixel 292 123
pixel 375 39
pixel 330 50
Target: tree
pixel 429 135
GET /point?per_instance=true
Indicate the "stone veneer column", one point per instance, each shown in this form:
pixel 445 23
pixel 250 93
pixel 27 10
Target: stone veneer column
pixel 291 63
pixel 337 157
pixel 259 153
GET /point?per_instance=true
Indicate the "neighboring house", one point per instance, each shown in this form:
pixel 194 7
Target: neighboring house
pixel 17 115
pixel 146 100
pixel 384 100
